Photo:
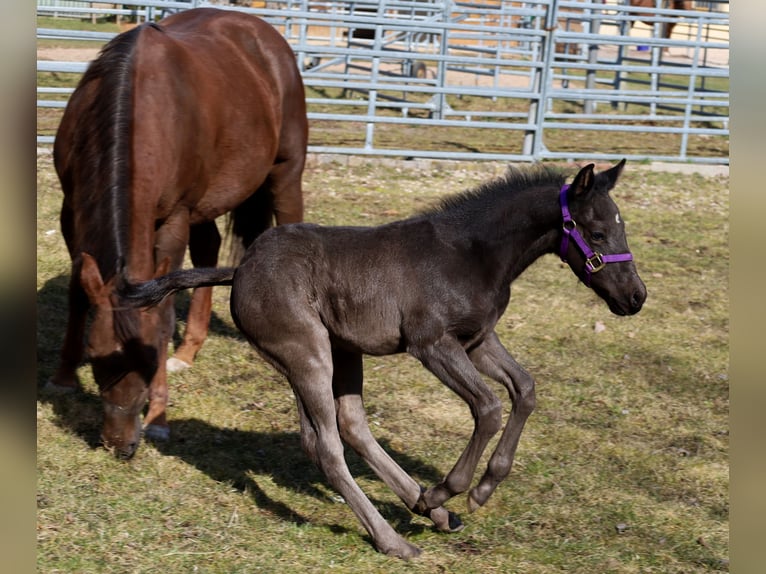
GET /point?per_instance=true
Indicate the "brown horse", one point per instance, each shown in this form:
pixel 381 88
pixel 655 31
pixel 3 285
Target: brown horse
pixel 173 125
pixel 666 28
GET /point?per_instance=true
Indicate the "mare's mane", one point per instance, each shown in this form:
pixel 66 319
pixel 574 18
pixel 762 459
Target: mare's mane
pixel 103 146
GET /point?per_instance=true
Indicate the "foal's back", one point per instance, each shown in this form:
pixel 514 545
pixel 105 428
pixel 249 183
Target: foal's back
pixel 365 286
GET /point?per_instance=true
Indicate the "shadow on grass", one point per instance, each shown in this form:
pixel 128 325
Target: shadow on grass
pixel 52 316
pixel 81 412
pixel 236 457
pixel 225 455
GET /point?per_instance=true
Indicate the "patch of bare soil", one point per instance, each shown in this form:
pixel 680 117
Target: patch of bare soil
pixel 67 54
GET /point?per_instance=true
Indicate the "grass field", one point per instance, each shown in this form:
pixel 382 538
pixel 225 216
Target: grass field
pixel 622 468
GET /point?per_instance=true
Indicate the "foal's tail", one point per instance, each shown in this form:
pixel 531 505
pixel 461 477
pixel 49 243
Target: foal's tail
pixel 152 292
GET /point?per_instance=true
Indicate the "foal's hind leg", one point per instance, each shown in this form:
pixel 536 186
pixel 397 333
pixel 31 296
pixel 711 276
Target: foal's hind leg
pixel 492 359
pixel 319 410
pixel 352 423
pixel 307 362
pixel 204 243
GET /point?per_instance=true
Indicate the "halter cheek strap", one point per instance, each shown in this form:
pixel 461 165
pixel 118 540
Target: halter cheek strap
pixel 594 261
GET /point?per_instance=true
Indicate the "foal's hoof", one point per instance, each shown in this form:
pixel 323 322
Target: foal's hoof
pixel 446 521
pixel 402 549
pixel 157 432
pixel 52 389
pixel 174 365
pixel 473 503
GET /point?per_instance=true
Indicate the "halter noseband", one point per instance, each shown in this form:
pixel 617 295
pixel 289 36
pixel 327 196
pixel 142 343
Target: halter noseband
pixel 594 261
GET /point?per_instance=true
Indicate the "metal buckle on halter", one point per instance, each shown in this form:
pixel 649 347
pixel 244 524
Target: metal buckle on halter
pixel 569 225
pixel 595 263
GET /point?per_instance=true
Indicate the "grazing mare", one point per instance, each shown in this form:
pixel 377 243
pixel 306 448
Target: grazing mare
pixel 173 125
pixel 312 300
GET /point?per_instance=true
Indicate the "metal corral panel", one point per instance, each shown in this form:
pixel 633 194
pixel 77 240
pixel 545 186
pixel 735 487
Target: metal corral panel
pixel 509 80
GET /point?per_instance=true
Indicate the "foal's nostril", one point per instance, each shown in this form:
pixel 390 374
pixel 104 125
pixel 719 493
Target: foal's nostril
pixel 637 301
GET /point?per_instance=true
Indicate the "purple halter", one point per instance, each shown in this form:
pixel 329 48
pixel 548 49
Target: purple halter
pixel 594 261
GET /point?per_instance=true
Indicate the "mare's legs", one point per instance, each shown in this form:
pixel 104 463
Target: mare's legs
pixel 352 423
pixel 492 359
pixel 284 185
pixel 170 243
pixel 307 362
pixel 285 178
pixel 204 243
pixel 73 349
pixel 448 361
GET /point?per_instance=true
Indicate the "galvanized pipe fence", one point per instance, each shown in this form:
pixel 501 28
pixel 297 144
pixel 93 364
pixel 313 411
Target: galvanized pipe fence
pixel 515 73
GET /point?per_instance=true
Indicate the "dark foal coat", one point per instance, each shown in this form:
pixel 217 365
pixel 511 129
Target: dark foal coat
pixel 313 300
pixel 173 125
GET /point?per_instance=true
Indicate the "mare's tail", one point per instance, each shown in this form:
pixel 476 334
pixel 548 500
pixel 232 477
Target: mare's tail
pixel 152 292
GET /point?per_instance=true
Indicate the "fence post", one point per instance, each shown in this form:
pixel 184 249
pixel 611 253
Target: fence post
pixel 441 67
pixel 533 140
pixel 590 76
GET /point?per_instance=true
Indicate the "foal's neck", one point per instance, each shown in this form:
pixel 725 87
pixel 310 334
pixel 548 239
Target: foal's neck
pixel 525 227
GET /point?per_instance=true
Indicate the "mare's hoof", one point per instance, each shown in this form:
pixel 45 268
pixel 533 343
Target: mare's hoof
pixel 157 432
pixel 50 388
pixel 174 365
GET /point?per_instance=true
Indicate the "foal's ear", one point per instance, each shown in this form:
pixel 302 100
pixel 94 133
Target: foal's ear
pixel 583 181
pixel 611 175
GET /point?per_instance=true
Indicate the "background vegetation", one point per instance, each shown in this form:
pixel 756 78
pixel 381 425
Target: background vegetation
pixel 622 468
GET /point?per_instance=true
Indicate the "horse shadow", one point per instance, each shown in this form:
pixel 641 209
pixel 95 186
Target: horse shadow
pixel 238 457
pixel 52 314
pixel 226 455
pixel 81 412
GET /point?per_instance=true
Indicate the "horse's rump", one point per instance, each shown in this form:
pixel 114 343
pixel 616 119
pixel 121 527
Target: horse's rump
pixel 228 82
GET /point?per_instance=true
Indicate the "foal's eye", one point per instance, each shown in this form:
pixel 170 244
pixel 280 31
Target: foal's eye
pixel 597 236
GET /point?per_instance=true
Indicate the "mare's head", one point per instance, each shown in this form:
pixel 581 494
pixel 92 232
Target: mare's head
pixel 123 351
pixel 594 243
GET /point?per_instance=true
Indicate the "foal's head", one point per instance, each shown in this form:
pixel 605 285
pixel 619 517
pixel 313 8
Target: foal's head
pixel 123 351
pixel 594 243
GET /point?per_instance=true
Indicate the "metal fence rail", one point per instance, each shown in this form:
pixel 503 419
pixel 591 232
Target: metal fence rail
pixel 519 71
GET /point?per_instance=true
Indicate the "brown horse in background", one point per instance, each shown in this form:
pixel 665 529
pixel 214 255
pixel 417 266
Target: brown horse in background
pixel 173 125
pixel 666 28
pixel 571 19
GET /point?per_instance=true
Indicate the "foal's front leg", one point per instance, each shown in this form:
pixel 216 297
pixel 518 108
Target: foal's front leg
pixel 492 359
pixel 448 361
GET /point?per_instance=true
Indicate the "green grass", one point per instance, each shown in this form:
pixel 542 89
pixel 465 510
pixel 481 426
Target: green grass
pixel 623 467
